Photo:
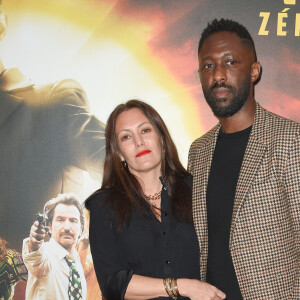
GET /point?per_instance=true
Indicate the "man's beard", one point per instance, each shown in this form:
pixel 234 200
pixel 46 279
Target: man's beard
pixel 236 103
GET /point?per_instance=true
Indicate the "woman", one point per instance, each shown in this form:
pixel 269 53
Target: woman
pixel 141 232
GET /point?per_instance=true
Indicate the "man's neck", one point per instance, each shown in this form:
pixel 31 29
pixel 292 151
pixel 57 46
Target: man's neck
pixel 72 251
pixel 241 120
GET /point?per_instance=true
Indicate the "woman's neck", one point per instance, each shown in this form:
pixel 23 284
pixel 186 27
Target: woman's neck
pixel 150 182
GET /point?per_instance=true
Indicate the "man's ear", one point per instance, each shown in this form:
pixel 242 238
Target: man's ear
pixel 255 71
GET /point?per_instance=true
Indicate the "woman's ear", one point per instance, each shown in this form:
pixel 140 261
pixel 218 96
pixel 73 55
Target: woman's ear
pixel 121 156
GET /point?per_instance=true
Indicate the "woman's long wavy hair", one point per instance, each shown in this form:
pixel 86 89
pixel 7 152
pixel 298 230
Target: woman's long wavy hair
pixel 125 192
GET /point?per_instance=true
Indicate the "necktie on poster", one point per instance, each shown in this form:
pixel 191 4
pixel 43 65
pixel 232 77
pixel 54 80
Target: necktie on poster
pixel 74 289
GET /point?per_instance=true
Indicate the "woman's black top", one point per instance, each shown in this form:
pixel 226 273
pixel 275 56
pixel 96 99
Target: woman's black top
pixel 147 247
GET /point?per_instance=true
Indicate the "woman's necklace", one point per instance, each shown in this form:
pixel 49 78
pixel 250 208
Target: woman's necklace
pixel 153 198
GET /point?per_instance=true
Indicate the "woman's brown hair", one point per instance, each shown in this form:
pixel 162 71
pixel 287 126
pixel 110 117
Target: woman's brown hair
pixel 125 191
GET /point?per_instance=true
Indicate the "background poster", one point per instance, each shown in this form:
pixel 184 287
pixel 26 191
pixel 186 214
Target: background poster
pixel 118 50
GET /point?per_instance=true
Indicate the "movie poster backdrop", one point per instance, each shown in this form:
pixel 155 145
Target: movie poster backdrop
pixel 68 63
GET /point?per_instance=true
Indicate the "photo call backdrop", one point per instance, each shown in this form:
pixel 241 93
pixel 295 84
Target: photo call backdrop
pixel 114 50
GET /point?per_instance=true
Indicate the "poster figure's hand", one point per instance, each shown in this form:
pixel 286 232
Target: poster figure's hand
pixel 37 235
pixel 42 218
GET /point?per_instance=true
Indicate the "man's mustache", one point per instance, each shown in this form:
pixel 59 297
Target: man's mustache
pixel 67 232
pixel 222 84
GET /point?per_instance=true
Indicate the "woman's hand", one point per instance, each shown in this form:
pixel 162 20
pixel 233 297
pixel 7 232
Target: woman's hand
pixel 198 290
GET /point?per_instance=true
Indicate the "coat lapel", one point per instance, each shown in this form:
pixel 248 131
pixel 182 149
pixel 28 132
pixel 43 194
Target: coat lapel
pixel 9 104
pixel 252 160
pixel 11 82
pixel 201 174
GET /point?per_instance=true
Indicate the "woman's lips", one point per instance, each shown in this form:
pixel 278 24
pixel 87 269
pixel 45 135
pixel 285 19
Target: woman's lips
pixel 143 153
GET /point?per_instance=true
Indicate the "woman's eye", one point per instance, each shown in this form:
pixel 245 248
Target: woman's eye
pixel 146 130
pixel 125 137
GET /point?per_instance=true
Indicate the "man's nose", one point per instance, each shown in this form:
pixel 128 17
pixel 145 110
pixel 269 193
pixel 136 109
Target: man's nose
pixel 67 225
pixel 220 73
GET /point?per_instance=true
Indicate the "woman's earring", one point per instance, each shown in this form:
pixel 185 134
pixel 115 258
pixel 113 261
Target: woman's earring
pixel 124 164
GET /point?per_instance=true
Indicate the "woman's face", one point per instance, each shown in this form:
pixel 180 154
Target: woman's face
pixel 138 142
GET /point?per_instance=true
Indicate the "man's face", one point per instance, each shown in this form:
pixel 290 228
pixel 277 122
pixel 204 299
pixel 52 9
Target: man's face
pixel 66 226
pixel 225 68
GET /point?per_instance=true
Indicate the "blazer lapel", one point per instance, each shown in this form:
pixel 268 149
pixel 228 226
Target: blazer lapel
pixel 200 175
pixel 252 160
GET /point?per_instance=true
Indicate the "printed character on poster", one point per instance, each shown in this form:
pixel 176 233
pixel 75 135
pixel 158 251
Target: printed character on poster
pixel 48 139
pixel 54 267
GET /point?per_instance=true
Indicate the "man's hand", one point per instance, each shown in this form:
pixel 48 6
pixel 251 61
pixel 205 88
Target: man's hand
pixel 37 235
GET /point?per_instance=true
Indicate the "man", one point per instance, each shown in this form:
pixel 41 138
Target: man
pixel 48 139
pixel 246 187
pixel 48 263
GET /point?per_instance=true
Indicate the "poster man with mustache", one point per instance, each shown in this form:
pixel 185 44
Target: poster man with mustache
pixel 54 267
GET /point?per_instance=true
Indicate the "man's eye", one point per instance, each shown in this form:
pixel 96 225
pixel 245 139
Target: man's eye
pixel 231 62
pixel 208 66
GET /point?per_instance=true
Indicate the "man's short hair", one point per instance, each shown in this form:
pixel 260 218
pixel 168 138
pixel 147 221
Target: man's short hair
pixel 226 25
pixel 66 199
